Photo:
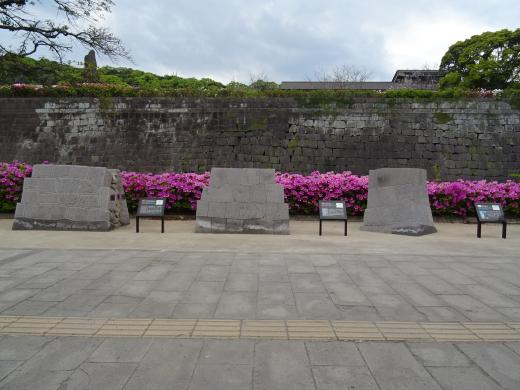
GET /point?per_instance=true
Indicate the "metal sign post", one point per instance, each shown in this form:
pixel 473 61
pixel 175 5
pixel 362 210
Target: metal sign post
pixel 150 208
pixel 333 210
pixel 490 213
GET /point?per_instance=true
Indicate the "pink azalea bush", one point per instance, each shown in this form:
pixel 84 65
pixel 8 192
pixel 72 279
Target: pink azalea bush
pixel 302 192
pixel 11 183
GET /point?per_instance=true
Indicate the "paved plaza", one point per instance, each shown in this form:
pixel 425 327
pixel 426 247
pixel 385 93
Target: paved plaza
pixel 119 310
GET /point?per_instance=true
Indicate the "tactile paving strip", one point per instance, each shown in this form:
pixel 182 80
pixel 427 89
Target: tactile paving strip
pixel 260 329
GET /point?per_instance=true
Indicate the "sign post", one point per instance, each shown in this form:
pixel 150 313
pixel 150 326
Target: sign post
pixel 490 213
pixel 150 208
pixel 333 210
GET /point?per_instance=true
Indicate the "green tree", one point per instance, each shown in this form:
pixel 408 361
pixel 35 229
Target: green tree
pixel 490 60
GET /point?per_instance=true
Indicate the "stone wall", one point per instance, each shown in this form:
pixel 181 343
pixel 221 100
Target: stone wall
pixel 473 139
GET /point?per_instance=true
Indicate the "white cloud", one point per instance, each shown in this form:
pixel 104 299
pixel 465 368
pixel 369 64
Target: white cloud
pixel 423 39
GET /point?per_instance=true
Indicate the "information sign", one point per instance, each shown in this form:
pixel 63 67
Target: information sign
pixel 333 210
pixel 150 207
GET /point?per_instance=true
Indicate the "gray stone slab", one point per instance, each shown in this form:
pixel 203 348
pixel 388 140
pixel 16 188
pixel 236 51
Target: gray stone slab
pixel 94 376
pixel 316 306
pixel 282 366
pixel 213 273
pixel 242 200
pixel 439 355
pixel 236 305
pixel 242 282
pixel 276 311
pixel 72 198
pixel 29 308
pixel 203 292
pixel 394 367
pixel 498 361
pixel 194 310
pixel 169 364
pixel 222 377
pixel 472 308
pixel 341 378
pixel 326 353
pixel 398 202
pixel 395 308
pixel 121 350
pixel 463 378
pixel 307 283
pixel 8 366
pixel 21 347
pixel 235 352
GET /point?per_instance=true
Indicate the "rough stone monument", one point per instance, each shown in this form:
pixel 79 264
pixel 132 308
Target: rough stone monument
pixel 71 197
pixel 398 202
pixel 242 200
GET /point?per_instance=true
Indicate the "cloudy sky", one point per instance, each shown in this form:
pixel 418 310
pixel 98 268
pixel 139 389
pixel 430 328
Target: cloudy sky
pixel 294 39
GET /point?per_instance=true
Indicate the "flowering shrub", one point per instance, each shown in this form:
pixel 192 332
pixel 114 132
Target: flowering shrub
pixel 11 182
pixel 302 193
pixel 181 190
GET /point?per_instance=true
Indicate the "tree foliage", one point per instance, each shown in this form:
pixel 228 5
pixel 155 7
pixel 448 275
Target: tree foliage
pixel 76 21
pixel 490 61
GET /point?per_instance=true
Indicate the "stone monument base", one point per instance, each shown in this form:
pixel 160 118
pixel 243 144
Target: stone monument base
pixel 398 202
pixel 71 197
pixel 242 200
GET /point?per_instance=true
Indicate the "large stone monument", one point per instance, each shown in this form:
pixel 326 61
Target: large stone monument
pixel 242 200
pixel 71 197
pixel 398 202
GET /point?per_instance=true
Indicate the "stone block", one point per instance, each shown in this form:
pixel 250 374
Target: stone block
pixel 398 202
pixel 73 197
pixel 242 201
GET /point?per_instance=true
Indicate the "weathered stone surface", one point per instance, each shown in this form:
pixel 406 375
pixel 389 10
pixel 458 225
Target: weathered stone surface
pixel 63 197
pixel 477 138
pixel 398 202
pixel 242 200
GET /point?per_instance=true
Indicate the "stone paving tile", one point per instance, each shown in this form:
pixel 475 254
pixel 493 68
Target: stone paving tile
pixel 245 282
pixel 341 378
pixel 194 310
pixel 514 346
pixel 176 281
pixel 121 350
pixel 324 353
pixel 168 364
pixel 8 366
pixel 21 348
pixel 497 361
pixel 222 377
pixel 51 365
pixel 443 313
pixel 463 378
pixel 238 352
pixel 316 306
pixel 239 305
pixel 203 292
pixel 394 307
pixel 276 310
pixel 282 366
pixel 472 308
pixel 307 283
pixel 213 273
pixel 93 376
pixel 28 307
pixel 269 292
pixel 109 309
pixel 394 367
pixel 438 355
